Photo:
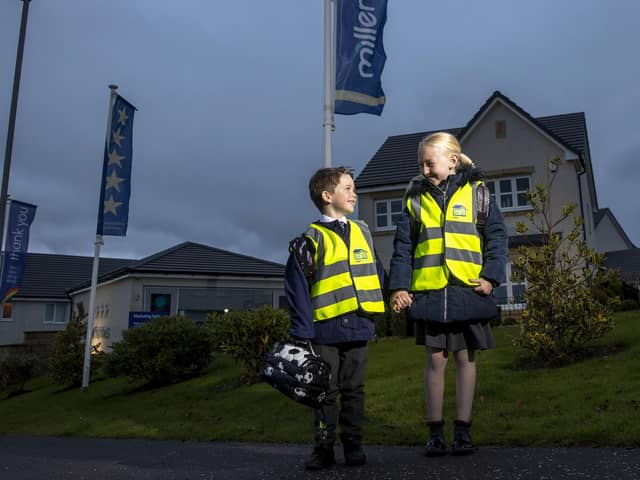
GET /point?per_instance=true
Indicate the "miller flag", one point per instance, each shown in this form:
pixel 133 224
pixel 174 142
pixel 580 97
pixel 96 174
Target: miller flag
pixel 360 56
pixel 113 210
pixel 15 249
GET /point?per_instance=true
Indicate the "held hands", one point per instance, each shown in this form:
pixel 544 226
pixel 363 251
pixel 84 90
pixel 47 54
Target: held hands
pixel 484 286
pixel 400 299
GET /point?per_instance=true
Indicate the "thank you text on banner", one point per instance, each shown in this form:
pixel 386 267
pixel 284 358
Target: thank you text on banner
pixel 17 242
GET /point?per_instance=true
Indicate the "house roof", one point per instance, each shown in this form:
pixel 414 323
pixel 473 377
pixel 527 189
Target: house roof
pixel 50 275
pixel 395 160
pixel 625 261
pixel 189 258
pixel 605 212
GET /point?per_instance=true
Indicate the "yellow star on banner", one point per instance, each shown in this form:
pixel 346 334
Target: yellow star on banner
pixel 111 205
pixel 113 181
pixel 122 116
pixel 117 137
pixel 115 159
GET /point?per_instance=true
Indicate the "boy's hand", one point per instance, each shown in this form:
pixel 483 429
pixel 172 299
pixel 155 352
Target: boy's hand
pixel 400 299
pixel 484 286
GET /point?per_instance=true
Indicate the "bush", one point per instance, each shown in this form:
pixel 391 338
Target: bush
pixel 628 304
pixel 15 371
pixel 163 351
pixel 66 361
pixel 570 295
pixel 246 335
pixel 391 324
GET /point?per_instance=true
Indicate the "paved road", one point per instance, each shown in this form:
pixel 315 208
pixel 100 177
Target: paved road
pixel 47 458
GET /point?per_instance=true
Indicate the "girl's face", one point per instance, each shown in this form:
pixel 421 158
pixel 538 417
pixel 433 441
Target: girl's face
pixel 436 165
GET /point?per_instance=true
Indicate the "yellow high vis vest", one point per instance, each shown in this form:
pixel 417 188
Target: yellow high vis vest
pixel 448 242
pixel 345 281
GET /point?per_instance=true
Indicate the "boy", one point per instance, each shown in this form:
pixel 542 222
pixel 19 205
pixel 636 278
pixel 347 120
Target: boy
pixel 333 285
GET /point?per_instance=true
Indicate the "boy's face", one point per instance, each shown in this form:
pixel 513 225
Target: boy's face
pixel 343 199
pixel 436 165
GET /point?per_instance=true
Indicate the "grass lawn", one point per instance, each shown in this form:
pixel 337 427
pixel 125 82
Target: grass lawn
pixel 593 402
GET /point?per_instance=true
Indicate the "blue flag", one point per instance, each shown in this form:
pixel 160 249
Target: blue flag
pixel 113 209
pixel 360 56
pixel 15 249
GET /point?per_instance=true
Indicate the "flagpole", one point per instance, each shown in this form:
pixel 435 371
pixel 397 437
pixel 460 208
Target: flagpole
pixel 329 47
pixel 86 370
pixel 4 197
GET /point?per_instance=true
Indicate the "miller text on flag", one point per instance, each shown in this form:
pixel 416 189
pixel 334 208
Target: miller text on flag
pixel 360 56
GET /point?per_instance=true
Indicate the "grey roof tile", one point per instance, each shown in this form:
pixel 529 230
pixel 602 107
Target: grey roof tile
pixel 396 160
pixel 191 258
pixel 626 261
pixel 53 276
pixel 50 275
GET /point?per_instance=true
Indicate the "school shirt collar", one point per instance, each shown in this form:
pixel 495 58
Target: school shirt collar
pixel 327 219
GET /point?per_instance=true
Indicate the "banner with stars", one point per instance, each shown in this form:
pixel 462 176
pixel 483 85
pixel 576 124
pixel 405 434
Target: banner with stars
pixel 113 211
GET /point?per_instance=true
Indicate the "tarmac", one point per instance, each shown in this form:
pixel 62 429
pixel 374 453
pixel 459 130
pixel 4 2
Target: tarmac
pixel 53 458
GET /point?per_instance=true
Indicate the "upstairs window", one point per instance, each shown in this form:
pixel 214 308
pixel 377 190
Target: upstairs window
pixel 7 312
pixel 510 193
pixel 387 213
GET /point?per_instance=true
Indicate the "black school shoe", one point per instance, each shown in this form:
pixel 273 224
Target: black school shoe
pixel 462 444
pixel 436 446
pixel 321 457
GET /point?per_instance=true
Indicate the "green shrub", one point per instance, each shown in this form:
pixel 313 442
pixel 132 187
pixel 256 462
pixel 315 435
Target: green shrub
pixel 66 361
pixel 628 304
pixel 391 324
pixel 570 295
pixel 163 351
pixel 246 335
pixel 15 371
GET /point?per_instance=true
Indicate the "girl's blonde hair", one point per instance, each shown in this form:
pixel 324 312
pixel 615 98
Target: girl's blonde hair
pixel 448 143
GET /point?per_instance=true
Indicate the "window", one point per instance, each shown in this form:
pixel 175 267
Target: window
pixel 388 212
pixel 501 129
pixel 55 313
pixel 160 302
pixel 7 312
pixel 511 292
pixel 510 193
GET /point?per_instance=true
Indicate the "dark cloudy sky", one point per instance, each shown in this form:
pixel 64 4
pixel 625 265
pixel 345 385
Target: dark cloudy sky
pixel 230 93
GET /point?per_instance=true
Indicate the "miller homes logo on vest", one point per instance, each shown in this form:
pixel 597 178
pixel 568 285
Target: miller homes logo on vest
pixel 367 34
pixel 359 254
pixel 459 211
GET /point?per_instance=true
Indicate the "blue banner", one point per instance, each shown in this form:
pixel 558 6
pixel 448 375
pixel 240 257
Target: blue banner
pixel 113 210
pixel 360 56
pixel 17 242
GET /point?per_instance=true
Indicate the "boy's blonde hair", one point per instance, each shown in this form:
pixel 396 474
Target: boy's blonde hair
pixel 447 143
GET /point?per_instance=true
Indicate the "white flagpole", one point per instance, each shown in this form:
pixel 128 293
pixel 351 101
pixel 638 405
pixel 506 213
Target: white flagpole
pixel 329 78
pixel 86 370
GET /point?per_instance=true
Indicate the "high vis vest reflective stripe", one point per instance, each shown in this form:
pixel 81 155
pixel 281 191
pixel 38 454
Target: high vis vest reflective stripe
pixel 345 281
pixel 447 242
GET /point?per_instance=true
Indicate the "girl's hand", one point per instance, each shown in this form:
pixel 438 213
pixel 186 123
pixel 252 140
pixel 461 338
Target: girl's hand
pixel 484 286
pixel 400 299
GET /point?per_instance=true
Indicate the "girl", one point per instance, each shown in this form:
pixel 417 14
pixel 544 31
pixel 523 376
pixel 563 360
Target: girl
pixel 444 267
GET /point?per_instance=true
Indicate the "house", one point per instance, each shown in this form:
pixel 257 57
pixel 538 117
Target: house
pixel 515 151
pixel 42 306
pixel 188 279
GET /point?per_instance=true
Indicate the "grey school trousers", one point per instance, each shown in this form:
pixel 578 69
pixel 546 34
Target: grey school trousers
pixel 348 363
